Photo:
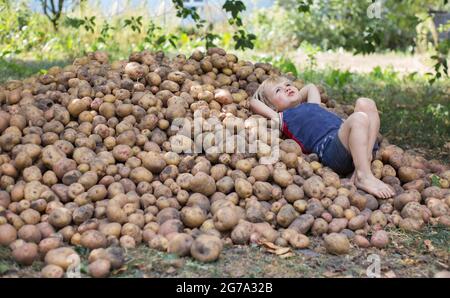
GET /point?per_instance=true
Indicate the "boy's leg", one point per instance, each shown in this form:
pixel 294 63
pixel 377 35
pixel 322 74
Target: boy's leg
pixel 354 136
pixel 369 107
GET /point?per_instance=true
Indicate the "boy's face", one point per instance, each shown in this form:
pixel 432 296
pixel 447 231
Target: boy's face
pixel 283 95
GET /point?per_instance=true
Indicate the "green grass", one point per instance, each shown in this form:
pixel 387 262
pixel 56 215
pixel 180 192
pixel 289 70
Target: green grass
pixel 439 237
pixel 21 69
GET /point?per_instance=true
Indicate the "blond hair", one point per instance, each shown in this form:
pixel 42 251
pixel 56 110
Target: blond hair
pixel 261 92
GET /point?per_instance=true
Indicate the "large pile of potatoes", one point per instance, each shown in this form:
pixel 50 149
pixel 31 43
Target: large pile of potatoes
pixel 86 160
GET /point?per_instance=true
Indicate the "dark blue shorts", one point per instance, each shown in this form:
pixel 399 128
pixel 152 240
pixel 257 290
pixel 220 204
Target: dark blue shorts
pixel 337 157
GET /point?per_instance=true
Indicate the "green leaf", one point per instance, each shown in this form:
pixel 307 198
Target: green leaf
pixel 304 5
pixel 435 180
pixel 234 6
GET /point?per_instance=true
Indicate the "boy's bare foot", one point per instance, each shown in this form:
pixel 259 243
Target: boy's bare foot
pixel 373 186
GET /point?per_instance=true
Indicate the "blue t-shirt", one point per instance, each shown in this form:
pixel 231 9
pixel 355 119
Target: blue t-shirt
pixel 310 125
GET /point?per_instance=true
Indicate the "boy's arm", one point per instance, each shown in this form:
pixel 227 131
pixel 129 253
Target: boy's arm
pixel 310 94
pixel 262 109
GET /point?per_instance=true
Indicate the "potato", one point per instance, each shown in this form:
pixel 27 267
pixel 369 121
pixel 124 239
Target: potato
pixel 100 268
pixel 225 219
pixel 140 174
pixel 170 226
pixel 377 167
pixel 282 177
pixel 319 227
pixel 337 244
pixel 260 172
pixel 29 233
pixel 289 145
pixel 8 234
pixel 52 271
pixel 193 217
pixel 388 151
pixel 388 170
pixel 218 171
pixel 357 222
pixel 336 211
pixel 444 220
pixel 331 179
pixel 115 213
pixel 203 183
pixel 4 122
pixel 408 174
pixel 439 209
pixel 411 224
pixel 300 206
pixel 337 225
pixel 48 244
pixel 243 188
pixel 244 165
pixel 286 215
pixel 379 239
pixel 5 199
pixel 82 214
pixel 396 160
pixel 175 111
pixel 293 193
pixel 302 224
pixel 133 231
pixel 93 239
pixel 408 196
pixel 290 159
pixel 113 254
pixel 180 244
pixel 305 170
pixel 241 233
pixel 361 241
pixel 358 200
pixel 135 70
pixel 432 191
pixel 295 239
pixel 60 217
pixel 330 192
pixel 314 187
pixel 62 166
pixel 167 214
pixel 127 242
pixel 122 152
pixel 265 231
pixel 378 218
pixel 262 190
pixel 413 210
pixel 206 248
pixel 315 208
pixel 25 254
pixel 97 193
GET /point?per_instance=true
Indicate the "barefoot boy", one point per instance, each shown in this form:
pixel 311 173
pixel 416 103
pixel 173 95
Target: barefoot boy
pixel 344 146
